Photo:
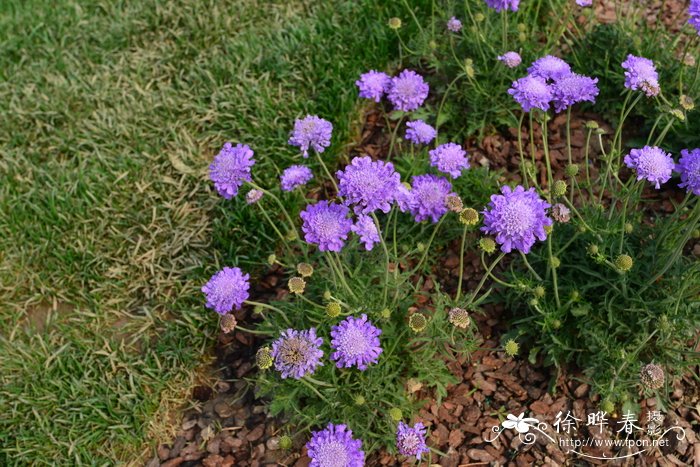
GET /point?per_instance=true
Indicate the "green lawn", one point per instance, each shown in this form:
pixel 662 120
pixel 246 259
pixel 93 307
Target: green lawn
pixel 110 114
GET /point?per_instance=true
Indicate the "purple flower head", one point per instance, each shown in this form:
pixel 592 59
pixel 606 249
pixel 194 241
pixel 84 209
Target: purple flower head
pixel 253 196
pixel 326 225
pixel 516 218
pixel 226 290
pixel 294 176
pixel 297 353
pixel 531 92
pixel 419 132
pixel 454 25
pixel 449 158
pixel 311 132
pixel 230 168
pixel 404 198
pixel 640 74
pixel 694 13
pixel 411 441
pixel 499 5
pixel 651 163
pixel 511 59
pixel 429 193
pixel 584 3
pixel 369 185
pixel 408 91
pixel 355 342
pixel 373 85
pixel 689 168
pixel 549 67
pixel 367 231
pixel 335 447
pixel 572 89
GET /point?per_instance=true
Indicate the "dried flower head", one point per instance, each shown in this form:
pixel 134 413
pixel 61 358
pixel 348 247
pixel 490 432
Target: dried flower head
pixel 532 92
pixel 366 229
pixel 231 168
pixel 689 168
pixel 305 269
pixel 373 85
pixel 410 441
pixel 652 376
pixel 333 309
pixel 408 91
pixel 624 263
pixel 263 358
pixel 459 317
pixel 487 245
pixel 226 290
pixel 651 163
pixel 311 132
pixel 294 176
pixel 419 132
pixel 641 75
pixel 428 197
pixel 561 213
pixel 368 185
pixel 296 285
pixel 512 348
pixel 469 216
pixel 417 322
pixel 454 25
pixel 395 23
pixel 449 158
pixel 687 102
pixel 297 353
pixel 228 323
pixel 355 342
pixel 253 196
pixel 510 59
pixel 327 225
pixel 500 5
pixel 549 67
pixel 454 203
pixel 335 446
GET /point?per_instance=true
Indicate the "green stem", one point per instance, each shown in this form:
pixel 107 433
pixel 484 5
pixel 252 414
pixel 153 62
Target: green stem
pixel 328 173
pixel 530 268
pixel 388 260
pixel 461 264
pixel 485 276
pixel 430 242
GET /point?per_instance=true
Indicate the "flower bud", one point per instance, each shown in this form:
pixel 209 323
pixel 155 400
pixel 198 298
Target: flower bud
pixel 469 216
pixel 652 376
pixel 263 358
pixel 305 269
pixel 592 125
pixel 296 285
pixel 555 262
pixel 333 309
pixel 559 188
pixel 548 229
pixel 538 291
pixel 395 414
pixel 417 322
pixel 291 236
pixel 360 399
pixel 575 295
pixel 394 23
pixel 571 170
pixel 487 245
pixel 420 247
pixel 327 295
pixel 678 114
pixel 272 259
pixel 385 313
pixel 607 406
pixel 285 442
pixel 479 17
pixel 624 263
pixel 629 228
pixel 512 348
pixel 687 102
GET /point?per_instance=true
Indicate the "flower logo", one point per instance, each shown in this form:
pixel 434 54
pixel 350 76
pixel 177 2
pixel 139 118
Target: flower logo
pixel 520 423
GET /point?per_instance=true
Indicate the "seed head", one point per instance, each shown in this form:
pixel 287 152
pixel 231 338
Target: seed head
pixel 327 295
pixel 575 295
pixel 228 323
pixel 385 313
pixel 652 376
pixel 420 246
pixel 593 249
pixel 479 17
pixel 333 309
pixel 607 406
pixel 285 442
pixel 555 262
pixel 258 309
pixel 290 236
pixel 556 324
pixel 559 188
pixel 263 358
pixel 305 269
pixel 296 285
pixel 629 228
pixel 359 399
pixel 395 414
pixel 417 322
pixel 394 23
pixel 538 291
pixel 678 113
pixel 469 216
pixel 592 124
pixel 459 317
pixel 512 348
pixel 487 245
pixel 687 102
pixel 571 170
pixel 272 259
pixel 561 213
pixel 624 263
pixel 454 203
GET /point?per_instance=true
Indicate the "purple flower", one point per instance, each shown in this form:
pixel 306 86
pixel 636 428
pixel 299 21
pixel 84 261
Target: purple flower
pixel 694 13
pixel 531 92
pixel 549 67
pixel 355 342
pixel 367 230
pixel 253 196
pixel 404 198
pixel 411 441
pixel 326 225
pixel 573 88
pixel 230 168
pixel 449 158
pixel 454 25
pixel 420 132
pixel 311 132
pixel 408 91
pixel 294 176
pixel 428 197
pixel 369 185
pixel 335 446
pixel 499 5
pixel 689 168
pixel 640 74
pixel 373 85
pixel 297 353
pixel 584 3
pixel 651 163
pixel 511 59
pixel 227 289
pixel 516 218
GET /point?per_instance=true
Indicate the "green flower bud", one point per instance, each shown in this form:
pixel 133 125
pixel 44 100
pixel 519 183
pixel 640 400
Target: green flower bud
pixel 522 37
pixel 629 228
pixel 487 245
pixel 285 442
pixel 678 114
pixel 559 188
pixel 333 309
pixel 272 259
pixel 420 247
pixel 624 263
pixel 556 324
pixel 395 414
pixel 469 216
pixel 593 249
pixel 575 295
pixel 385 313
pixel 512 348
pixel 522 27
pixel 571 170
pixel 360 399
pixel 258 309
pixel 327 295
pixel 548 229
pixel 538 291
pixel 395 23
pixel 291 235
pixel 534 302
pixel 592 125
pixel 555 262
pixel 607 406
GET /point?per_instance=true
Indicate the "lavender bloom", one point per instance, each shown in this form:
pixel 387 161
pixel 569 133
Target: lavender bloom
pixel 640 74
pixel 428 197
pixel 355 342
pixel 335 446
pixel 420 132
pixel 326 225
pixel 511 59
pixel 689 168
pixel 574 88
pixel 531 92
pixel 227 289
pixel 294 176
pixel 297 353
pixel 499 5
pixel 230 168
pixel 584 3
pixel 373 85
pixel 694 13
pixel 367 231
pixel 449 158
pixel 411 441
pixel 516 218
pixel 454 25
pixel 408 91
pixel 549 67
pixel 311 132
pixel 369 185
pixel 404 198
pixel 651 163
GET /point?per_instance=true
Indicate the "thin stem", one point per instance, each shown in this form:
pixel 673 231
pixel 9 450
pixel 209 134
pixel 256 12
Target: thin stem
pixel 339 273
pixel 276 200
pixel 545 142
pixel 430 242
pixel 530 268
pixel 388 260
pixel 520 151
pixel 328 173
pixel 485 276
pixel 252 331
pixel 461 265
pixel 554 272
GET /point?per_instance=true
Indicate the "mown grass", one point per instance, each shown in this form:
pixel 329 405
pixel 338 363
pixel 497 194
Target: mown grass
pixel 111 112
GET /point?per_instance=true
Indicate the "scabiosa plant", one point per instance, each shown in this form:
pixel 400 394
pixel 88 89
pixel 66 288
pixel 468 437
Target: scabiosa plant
pixel 253 196
pixel 355 342
pixel 410 441
pixel 419 132
pixel 584 3
pixel 532 92
pixel 428 194
pixel 641 75
pixel 226 290
pixel 335 446
pixel 368 185
pixel 311 132
pixel 500 5
pixel 326 224
pixel 454 25
pixel 510 59
pixel 651 163
pixel 231 168
pixel 294 176
pixel 689 168
pixel 373 85
pixel 408 91
pixel 366 229
pixel 694 14
pixel 297 353
pixel 549 67
pixel 573 88
pixel 449 158
pixel 404 198
pixel 517 218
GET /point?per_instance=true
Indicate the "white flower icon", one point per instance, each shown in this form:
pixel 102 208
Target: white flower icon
pixel 520 423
